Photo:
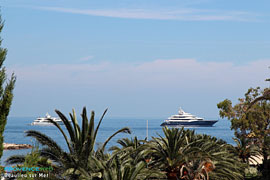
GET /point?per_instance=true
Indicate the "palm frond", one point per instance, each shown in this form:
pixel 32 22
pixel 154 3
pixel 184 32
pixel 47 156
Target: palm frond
pixel 16 159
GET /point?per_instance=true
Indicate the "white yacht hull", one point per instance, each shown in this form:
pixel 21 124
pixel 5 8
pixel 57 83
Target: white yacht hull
pixel 201 123
pixel 44 123
pixel 187 119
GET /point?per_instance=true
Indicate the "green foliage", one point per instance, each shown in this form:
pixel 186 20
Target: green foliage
pixel 180 154
pixel 168 152
pixel 182 150
pixel 126 169
pixel 245 150
pixel 32 159
pixel 196 169
pixel 250 115
pixel 250 119
pixel 251 173
pixel 132 148
pixel 129 162
pixel 6 92
pixel 79 160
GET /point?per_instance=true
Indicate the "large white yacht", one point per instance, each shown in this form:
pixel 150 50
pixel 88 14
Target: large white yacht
pixel 186 119
pixel 45 120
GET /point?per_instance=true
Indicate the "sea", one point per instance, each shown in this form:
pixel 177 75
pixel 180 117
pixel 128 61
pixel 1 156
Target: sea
pixel 16 127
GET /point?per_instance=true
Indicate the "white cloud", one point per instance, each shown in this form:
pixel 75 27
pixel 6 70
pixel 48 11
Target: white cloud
pixel 86 58
pixel 149 88
pixel 184 14
pixel 176 73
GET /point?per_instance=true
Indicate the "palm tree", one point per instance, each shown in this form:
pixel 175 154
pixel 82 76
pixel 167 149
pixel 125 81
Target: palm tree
pixel 127 162
pixel 125 169
pixel 222 155
pixel 246 150
pixel 182 149
pixel 132 148
pixel 79 140
pixel 168 153
pixel 33 159
pixel 132 143
pixel 197 169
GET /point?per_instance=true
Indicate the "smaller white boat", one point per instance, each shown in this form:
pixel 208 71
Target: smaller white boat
pixel 45 120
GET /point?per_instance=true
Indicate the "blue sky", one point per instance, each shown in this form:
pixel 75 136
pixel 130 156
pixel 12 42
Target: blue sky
pixel 138 58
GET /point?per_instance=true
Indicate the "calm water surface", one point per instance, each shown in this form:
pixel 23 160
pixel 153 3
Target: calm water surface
pixel 16 126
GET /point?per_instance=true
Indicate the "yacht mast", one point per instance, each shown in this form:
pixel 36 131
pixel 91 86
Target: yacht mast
pixel 146 130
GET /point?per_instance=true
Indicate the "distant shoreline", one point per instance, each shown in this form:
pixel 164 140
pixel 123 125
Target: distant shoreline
pixel 13 146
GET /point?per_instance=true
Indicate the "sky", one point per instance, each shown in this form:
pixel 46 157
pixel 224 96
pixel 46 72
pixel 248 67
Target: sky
pixel 139 59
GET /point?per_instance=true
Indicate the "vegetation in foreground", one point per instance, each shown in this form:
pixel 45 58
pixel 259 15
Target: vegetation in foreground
pixel 6 92
pixel 250 119
pixel 178 154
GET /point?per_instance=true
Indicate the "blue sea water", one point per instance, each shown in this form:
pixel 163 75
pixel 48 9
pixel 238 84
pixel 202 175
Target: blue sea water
pixel 16 126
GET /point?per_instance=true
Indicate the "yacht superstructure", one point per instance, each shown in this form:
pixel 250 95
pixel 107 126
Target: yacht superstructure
pixel 45 120
pixel 186 119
